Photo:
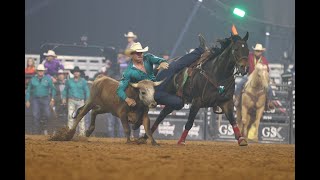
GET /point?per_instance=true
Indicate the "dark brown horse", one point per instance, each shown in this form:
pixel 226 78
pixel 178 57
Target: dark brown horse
pixel 211 83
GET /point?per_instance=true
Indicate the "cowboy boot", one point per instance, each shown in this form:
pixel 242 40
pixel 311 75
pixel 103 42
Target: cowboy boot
pixel 202 42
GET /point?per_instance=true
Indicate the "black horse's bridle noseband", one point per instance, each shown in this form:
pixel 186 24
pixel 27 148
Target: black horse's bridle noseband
pixel 236 60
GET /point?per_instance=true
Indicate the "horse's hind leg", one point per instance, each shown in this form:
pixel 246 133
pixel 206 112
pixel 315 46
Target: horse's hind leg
pixel 228 109
pixel 97 110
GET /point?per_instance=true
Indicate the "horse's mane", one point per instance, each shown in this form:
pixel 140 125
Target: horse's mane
pixel 253 77
pixel 224 43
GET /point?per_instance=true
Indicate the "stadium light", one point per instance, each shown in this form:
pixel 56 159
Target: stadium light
pixel 239 12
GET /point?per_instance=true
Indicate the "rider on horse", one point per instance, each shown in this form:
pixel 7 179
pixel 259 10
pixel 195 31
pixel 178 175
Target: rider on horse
pixel 140 68
pixel 253 59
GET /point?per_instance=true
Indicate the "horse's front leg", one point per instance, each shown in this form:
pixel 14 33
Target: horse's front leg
pixel 256 123
pixel 239 118
pixel 192 114
pixel 228 110
pixel 245 120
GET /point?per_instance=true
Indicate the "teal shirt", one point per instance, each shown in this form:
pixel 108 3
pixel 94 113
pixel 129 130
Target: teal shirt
pixel 134 75
pixel 38 88
pixel 76 89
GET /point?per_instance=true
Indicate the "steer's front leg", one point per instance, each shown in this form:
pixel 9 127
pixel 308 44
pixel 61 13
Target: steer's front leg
pixel 126 128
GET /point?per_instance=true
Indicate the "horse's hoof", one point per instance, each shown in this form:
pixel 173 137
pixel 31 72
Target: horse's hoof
pixel 181 143
pixel 242 141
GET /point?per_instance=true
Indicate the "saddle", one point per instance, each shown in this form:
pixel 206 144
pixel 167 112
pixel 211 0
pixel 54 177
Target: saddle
pixel 188 72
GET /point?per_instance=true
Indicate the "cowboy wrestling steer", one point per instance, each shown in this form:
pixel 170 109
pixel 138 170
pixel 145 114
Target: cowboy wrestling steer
pixel 103 99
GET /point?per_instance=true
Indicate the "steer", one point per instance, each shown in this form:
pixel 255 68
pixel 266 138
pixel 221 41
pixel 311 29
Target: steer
pixel 104 99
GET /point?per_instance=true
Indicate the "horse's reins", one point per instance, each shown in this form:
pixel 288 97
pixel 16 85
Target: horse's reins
pixel 213 81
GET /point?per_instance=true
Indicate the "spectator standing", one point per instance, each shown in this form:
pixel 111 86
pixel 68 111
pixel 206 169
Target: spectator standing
pixel 77 91
pixel 131 38
pixel 60 108
pixel 122 61
pixel 30 69
pixel 41 92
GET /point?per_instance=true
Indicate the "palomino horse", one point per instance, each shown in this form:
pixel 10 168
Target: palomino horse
pixel 253 100
pixel 211 83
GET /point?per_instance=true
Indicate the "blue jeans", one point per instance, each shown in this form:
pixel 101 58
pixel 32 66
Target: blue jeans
pixel 241 84
pixel 114 126
pixel 161 96
pixel 40 105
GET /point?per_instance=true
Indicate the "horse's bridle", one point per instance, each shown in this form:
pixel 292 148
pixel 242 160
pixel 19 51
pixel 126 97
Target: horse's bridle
pixel 236 60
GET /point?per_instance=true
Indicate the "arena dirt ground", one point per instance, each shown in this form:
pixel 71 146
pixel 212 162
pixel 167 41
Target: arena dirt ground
pixel 110 158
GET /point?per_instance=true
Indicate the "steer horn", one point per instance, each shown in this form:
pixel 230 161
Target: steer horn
pixel 159 82
pixel 135 85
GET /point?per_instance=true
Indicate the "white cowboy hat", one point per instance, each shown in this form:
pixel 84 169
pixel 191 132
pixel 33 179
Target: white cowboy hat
pixel 135 47
pixel 50 53
pixel 41 67
pixel 130 34
pixel 60 71
pixel 259 48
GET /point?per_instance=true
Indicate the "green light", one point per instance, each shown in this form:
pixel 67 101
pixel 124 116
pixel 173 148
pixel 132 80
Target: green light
pixel 239 12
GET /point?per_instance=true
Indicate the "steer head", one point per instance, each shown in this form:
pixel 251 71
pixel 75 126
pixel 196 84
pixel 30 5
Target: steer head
pixel 146 91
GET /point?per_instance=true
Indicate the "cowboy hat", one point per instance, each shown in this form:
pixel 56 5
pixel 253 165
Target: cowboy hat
pixel 60 71
pixel 259 48
pixel 130 35
pixel 41 67
pixel 75 69
pixel 50 53
pixel 135 47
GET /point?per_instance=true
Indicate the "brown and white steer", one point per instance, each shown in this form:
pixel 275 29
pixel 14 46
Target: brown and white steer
pixel 104 99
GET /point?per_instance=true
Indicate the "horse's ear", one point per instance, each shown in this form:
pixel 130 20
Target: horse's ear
pixel 245 38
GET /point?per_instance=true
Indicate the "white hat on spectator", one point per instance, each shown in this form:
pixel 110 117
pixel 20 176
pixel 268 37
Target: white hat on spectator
pixel 50 53
pixel 259 47
pixel 60 71
pixel 41 67
pixel 130 35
